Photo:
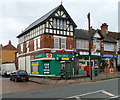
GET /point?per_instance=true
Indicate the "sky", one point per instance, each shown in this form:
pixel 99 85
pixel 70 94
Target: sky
pixel 16 15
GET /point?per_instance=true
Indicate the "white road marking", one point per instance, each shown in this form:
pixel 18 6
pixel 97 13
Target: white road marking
pixel 77 98
pixel 108 93
pixel 86 94
pixel 102 91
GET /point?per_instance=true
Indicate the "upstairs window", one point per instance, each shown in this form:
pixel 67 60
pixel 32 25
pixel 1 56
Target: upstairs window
pixel 59 43
pixel 27 46
pixel 21 48
pixel 63 43
pixel 108 46
pixel 56 43
pixel 97 43
pixel 36 43
pixel 54 23
pixel 82 44
pixel 60 24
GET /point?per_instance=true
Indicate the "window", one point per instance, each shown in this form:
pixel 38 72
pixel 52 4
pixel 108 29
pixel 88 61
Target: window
pixel 61 24
pixel 35 48
pixel 65 25
pixel 63 43
pixel 38 41
pixel 37 44
pixel 21 48
pixel 57 23
pixel 27 46
pixel 97 43
pixel 56 43
pixel 54 23
pixel 82 44
pixel 108 46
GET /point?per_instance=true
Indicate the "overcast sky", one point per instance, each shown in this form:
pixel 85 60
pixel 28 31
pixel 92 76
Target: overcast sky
pixel 16 15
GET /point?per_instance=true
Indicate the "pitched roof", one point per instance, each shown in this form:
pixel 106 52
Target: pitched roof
pixel 44 18
pixel 84 34
pixel 9 47
pixel 81 34
pixel 114 35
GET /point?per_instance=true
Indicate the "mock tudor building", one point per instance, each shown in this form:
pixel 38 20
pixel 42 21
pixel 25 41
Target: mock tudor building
pixel 46 46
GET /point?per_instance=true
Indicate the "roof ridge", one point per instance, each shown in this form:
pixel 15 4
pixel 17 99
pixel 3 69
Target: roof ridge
pixel 40 18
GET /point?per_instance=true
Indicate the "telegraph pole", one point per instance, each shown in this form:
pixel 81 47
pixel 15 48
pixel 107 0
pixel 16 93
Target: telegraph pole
pixel 90 67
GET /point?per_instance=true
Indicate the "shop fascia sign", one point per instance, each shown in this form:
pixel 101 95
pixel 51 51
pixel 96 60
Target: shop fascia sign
pixel 53 55
pixel 109 55
pixel 92 53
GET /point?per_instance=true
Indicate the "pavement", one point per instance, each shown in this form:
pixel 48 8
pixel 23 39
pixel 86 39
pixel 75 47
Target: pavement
pixel 74 79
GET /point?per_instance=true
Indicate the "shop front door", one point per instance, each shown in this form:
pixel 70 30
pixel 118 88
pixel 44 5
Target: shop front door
pixel 66 68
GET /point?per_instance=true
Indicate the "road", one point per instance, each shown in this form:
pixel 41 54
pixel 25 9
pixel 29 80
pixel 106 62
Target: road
pixel 103 90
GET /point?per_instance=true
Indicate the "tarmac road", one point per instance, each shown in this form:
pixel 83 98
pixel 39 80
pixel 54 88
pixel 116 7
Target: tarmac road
pixel 103 90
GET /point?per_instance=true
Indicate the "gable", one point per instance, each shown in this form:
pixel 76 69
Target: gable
pixel 60 13
pixel 97 35
pixel 56 12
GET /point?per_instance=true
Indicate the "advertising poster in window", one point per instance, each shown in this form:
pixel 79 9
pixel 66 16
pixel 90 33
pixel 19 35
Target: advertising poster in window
pixel 46 69
pixel 35 66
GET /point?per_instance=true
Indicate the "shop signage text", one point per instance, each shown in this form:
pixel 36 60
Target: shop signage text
pixel 53 55
pixel 109 55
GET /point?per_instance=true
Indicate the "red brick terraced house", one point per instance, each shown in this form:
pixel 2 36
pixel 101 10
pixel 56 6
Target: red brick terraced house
pixel 46 46
pixel 103 51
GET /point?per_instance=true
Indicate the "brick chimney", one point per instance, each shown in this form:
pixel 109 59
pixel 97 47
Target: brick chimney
pixel 9 42
pixel 104 28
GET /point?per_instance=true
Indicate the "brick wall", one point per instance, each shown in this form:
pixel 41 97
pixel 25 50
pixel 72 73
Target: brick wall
pixel 8 56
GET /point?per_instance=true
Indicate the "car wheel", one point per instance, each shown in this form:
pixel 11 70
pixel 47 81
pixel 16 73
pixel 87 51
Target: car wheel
pixel 27 80
pixel 16 80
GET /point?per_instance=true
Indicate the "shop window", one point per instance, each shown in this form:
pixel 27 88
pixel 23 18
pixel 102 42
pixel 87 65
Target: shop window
pixel 46 68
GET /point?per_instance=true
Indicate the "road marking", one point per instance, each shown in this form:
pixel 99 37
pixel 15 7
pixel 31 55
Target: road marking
pixel 77 98
pixel 108 93
pixel 86 94
pixel 103 91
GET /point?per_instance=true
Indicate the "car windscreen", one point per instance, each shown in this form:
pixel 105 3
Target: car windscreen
pixel 22 72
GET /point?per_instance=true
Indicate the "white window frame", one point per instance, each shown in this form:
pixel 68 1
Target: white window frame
pixel 21 48
pixel 97 43
pixel 82 44
pixel 108 46
pixel 36 43
pixel 63 43
pixel 27 46
pixel 56 43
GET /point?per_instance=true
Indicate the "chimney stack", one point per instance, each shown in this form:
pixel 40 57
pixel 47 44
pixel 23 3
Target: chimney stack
pixel 9 42
pixel 104 28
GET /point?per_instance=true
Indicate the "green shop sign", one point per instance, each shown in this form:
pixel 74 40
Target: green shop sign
pixel 62 55
pixel 53 55
pixel 39 55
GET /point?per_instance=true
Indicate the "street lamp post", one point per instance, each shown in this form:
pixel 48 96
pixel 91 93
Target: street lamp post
pixel 89 46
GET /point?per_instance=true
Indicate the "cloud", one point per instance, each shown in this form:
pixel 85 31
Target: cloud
pixel 16 15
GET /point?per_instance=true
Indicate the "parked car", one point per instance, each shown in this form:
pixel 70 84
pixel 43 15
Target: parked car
pixel 19 75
